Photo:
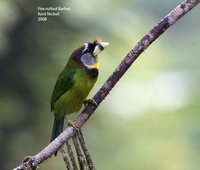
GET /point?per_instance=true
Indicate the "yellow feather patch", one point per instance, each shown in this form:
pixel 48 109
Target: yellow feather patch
pixel 96 65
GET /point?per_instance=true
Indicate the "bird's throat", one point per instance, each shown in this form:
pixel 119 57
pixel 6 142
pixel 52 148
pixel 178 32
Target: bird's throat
pixel 93 72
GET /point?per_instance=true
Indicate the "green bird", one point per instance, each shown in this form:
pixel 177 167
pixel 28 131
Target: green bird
pixel 75 82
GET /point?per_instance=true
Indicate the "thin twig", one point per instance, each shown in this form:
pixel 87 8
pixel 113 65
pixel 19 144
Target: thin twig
pixel 142 45
pixel 71 155
pixel 80 156
pixel 85 150
pixel 65 158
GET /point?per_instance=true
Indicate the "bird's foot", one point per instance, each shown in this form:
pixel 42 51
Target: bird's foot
pixel 73 124
pixel 92 101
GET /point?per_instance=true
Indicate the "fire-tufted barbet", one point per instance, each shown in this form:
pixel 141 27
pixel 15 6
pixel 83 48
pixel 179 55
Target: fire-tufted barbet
pixel 75 82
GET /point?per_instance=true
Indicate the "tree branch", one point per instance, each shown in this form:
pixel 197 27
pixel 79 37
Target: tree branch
pixel 65 158
pixel 71 155
pixel 143 44
pixel 81 159
pixel 85 150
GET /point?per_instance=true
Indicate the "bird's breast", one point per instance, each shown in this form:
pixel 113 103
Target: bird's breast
pixel 72 100
pixel 93 72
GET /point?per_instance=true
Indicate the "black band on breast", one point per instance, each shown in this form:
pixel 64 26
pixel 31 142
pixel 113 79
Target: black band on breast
pixel 93 72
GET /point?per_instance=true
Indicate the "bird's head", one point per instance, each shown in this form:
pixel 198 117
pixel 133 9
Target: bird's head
pixel 86 54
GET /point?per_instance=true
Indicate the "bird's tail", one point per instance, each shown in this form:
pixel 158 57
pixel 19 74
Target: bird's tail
pixel 57 129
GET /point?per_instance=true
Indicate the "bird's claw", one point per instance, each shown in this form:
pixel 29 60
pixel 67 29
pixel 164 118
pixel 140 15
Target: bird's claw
pixel 92 101
pixel 73 124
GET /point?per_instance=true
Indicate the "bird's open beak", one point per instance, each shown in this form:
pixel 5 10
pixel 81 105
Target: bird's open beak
pixel 100 47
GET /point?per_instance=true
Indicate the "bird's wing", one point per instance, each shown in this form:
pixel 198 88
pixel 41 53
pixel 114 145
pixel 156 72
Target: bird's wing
pixel 64 82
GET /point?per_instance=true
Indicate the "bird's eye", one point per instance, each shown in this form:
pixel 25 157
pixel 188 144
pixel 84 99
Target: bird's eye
pixel 87 59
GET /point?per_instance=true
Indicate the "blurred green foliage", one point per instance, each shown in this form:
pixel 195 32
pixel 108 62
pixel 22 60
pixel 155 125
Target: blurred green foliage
pixel 151 118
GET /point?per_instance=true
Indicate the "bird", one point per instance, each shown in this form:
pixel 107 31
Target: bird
pixel 75 82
